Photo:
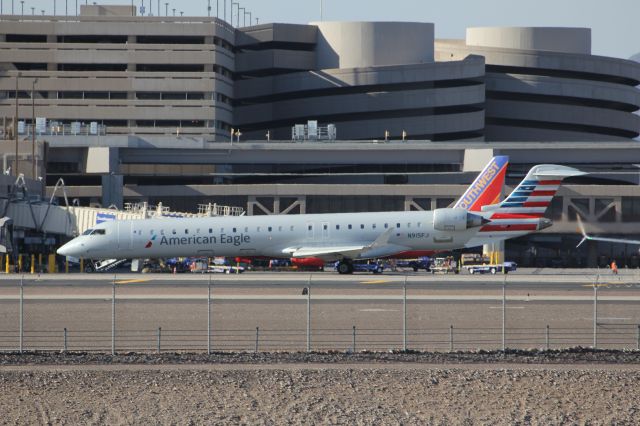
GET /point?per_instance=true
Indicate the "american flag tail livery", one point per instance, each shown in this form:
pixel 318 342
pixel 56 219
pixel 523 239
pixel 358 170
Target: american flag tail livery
pixel 487 187
pixel 523 210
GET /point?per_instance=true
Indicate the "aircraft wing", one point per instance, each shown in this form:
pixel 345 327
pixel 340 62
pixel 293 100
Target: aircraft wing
pixel 586 237
pixel 346 251
pixel 381 247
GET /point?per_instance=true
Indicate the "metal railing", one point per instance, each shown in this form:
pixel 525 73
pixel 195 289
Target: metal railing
pixel 350 339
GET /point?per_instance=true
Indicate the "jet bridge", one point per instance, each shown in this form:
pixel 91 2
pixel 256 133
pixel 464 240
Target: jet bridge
pixel 23 213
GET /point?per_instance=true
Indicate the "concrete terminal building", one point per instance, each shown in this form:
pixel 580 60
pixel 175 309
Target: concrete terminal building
pixel 365 77
pixel 165 92
pixel 543 84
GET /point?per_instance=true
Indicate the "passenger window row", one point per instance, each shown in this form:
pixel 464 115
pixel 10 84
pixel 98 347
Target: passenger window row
pixel 325 227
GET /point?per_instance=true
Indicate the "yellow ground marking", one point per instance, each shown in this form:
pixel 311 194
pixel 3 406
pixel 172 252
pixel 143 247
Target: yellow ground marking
pixel 617 283
pixel 375 282
pixel 133 281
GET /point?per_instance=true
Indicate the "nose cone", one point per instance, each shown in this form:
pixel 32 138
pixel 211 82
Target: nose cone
pixel 71 249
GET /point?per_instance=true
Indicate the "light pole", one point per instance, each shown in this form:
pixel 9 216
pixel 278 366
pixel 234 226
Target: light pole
pixel 33 129
pixel 249 13
pixel 237 4
pixel 15 122
pixel 174 12
pixel 33 11
pixel 22 7
pixel 166 9
pixel 209 8
pixel 54 7
pixel 244 17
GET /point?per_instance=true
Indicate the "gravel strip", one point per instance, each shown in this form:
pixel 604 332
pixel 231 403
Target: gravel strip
pixel 325 396
pixel 578 386
pixel 570 356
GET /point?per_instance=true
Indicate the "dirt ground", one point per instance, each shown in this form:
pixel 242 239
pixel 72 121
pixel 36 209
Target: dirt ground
pixel 320 393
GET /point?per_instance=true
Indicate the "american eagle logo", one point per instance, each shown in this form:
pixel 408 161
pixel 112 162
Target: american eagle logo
pixel 150 243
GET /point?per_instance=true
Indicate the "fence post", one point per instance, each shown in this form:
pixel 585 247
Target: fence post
pixel 547 343
pixel 209 316
pixel 309 315
pixel 64 340
pixel 638 344
pixel 159 338
pixel 451 338
pixel 257 338
pixel 504 312
pixel 21 312
pixel 353 341
pixel 404 314
pixel 113 316
pixel 595 314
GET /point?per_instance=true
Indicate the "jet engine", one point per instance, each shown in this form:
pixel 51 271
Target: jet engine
pixel 456 220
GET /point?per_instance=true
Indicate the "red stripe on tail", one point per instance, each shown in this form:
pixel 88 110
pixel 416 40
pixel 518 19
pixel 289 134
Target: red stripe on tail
pixel 499 228
pixel 542 193
pixel 517 215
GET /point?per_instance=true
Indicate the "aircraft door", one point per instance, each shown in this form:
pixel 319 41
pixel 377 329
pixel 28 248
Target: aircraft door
pixel 125 235
pixel 310 233
pixel 325 230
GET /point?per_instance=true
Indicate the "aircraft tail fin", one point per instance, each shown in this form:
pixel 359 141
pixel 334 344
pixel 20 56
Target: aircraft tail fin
pixel 487 187
pixel 533 195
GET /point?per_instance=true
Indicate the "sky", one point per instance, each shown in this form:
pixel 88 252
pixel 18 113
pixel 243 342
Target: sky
pixel 615 24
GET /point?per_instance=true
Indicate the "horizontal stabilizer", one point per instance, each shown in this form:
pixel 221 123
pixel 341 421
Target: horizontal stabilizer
pixel 554 171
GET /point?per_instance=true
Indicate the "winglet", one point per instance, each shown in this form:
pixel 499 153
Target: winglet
pixel 383 239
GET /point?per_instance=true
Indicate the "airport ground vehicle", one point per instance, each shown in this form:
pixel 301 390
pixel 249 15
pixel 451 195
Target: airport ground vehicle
pixel 415 264
pixel 444 265
pixel 373 267
pixel 492 269
pixel 218 265
pixel 469 259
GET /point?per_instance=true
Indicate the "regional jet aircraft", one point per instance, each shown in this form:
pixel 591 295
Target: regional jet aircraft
pixel 471 222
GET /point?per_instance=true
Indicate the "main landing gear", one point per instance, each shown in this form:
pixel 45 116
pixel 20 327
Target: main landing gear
pixel 345 266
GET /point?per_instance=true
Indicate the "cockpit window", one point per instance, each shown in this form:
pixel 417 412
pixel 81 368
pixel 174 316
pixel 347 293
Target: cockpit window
pixel 94 232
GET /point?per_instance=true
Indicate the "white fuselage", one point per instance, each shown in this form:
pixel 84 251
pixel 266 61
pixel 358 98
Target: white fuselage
pixel 270 236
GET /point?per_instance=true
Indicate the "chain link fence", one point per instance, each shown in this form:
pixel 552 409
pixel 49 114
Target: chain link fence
pixel 192 317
